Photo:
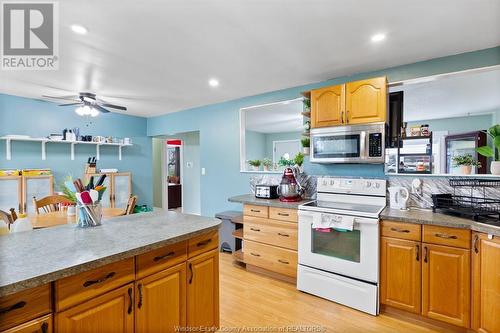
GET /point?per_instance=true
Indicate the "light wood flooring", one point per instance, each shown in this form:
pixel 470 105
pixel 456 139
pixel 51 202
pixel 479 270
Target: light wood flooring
pixel 252 300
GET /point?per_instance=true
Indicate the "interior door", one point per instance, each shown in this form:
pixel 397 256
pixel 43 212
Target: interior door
pixel 36 186
pixel 327 106
pixel 366 101
pixel 121 189
pixel 10 193
pixel 280 148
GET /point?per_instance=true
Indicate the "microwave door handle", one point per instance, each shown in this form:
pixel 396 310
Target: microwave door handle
pixel 362 140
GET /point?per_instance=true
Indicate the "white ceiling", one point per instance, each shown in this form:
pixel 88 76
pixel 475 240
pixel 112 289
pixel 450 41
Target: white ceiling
pixel 463 94
pixel 275 118
pixel 156 57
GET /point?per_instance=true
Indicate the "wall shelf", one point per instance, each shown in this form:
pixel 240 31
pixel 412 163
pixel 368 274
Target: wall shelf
pixel 44 141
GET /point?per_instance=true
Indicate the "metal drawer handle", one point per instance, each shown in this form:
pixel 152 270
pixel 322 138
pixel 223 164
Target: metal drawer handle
pixel 18 305
pixel 203 243
pixel 254 229
pixel 255 210
pixel 418 252
pixel 45 327
pixel 283 261
pixel 139 287
pixel 165 256
pixel 476 248
pixel 190 273
pixel 400 230
pixel 131 299
pixel 283 214
pixel 445 236
pixel 255 254
pixel 284 235
pixel 425 253
pixel 91 282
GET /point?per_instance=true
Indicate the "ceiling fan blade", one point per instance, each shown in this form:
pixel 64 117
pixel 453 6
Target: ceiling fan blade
pixel 114 106
pixel 67 104
pixel 100 108
pixel 68 97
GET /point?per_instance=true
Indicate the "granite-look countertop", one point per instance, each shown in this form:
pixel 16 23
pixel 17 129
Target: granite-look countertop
pixel 426 216
pixel 33 258
pixel 252 200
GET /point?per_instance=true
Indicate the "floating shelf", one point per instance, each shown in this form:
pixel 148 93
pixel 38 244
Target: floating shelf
pixel 238 233
pixel 238 255
pixel 44 141
pixel 415 154
pixel 420 137
pixel 306 114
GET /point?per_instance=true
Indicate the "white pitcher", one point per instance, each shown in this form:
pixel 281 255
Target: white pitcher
pixel 398 197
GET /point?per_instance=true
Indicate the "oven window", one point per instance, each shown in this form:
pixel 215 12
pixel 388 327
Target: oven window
pixel 336 146
pixel 343 245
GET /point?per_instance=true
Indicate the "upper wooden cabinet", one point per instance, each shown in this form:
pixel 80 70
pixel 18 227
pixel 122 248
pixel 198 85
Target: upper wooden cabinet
pixel 485 283
pixel 359 102
pixel 327 106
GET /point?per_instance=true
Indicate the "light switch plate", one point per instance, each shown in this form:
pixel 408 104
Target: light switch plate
pixel 203 171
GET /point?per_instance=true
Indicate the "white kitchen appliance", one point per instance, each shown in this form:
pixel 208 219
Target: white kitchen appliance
pixel 339 242
pixel 398 197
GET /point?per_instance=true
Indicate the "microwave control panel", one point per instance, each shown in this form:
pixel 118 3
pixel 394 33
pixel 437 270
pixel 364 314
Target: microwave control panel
pixel 375 145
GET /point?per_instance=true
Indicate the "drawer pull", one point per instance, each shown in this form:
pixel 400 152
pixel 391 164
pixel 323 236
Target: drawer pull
pixel 203 243
pixel 190 273
pixel 283 214
pixel 254 229
pixel 45 327
pixel 284 235
pixel 18 305
pixel 131 299
pixel 255 210
pixel 139 304
pixel 255 254
pixel 91 282
pixel 476 239
pixel 418 252
pixel 165 256
pixel 445 236
pixel 283 261
pixel 400 230
pixel 425 253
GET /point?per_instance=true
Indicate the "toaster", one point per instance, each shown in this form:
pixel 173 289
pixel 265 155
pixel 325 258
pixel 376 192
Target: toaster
pixel 266 191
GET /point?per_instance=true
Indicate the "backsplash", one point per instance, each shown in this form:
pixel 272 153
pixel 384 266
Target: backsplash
pixel 306 181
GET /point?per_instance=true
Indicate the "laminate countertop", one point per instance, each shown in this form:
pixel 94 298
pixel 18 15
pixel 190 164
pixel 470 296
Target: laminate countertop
pixel 426 216
pixel 252 200
pixel 33 258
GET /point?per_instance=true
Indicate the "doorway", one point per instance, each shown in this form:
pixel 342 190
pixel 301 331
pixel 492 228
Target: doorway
pixel 173 165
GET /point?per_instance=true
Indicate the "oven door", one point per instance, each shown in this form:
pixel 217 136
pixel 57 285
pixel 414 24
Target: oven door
pixel 338 146
pixel 350 253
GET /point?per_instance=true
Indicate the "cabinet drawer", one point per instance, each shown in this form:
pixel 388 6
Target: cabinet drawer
pixel 203 243
pixel 43 325
pixel 24 306
pixel 159 259
pixel 401 230
pixel 283 214
pixel 272 258
pixel 81 287
pixel 282 234
pixel 447 236
pixel 254 210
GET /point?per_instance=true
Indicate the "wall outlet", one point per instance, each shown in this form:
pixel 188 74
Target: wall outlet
pixel 203 171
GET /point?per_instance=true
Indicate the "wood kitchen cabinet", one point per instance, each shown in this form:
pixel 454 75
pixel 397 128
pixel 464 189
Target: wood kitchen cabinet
pixel 400 274
pixel 485 283
pixel 366 101
pixel 39 325
pixel 203 290
pixel 327 106
pixel 161 301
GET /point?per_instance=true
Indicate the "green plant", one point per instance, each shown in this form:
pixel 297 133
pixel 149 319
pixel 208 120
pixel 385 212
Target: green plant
pixel 285 161
pixel 307 103
pixel 305 141
pixel 465 159
pixel 69 194
pixel 299 159
pixel 254 163
pixel 267 162
pixel 494 133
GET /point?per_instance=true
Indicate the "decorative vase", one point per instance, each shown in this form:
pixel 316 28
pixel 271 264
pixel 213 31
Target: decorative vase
pixel 306 150
pixel 495 167
pixel 466 169
pixel 255 168
pixel 266 167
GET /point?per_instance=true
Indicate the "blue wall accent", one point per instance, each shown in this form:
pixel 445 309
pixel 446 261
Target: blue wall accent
pixel 219 128
pixel 39 118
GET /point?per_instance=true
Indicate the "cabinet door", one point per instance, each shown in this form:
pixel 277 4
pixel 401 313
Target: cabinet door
pixel 36 186
pixel 446 284
pixel 327 106
pixel 400 274
pixel 10 193
pixel 39 325
pixel 122 188
pixel 111 312
pixel 486 283
pixel 203 290
pixel 161 301
pixel 366 101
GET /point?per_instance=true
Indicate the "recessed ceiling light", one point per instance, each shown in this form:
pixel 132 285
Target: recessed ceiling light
pixel 79 29
pixel 378 38
pixel 213 83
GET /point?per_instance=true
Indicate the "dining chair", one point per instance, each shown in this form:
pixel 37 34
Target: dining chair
pixel 131 205
pixel 50 203
pixel 8 218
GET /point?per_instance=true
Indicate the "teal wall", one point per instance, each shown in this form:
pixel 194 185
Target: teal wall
pixel 279 137
pixel 39 118
pixel 457 124
pixel 219 128
pixel 255 145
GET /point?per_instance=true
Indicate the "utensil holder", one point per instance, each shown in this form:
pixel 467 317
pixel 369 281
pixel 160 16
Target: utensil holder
pixel 88 215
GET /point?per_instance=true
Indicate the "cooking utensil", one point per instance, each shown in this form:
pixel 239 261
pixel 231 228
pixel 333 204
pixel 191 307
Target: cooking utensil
pixel 94 195
pixel 100 181
pixel 86 198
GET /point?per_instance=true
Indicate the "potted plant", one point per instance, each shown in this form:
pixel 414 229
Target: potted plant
pixel 306 142
pixel 285 161
pixel 267 164
pixel 465 162
pixel 487 151
pixel 307 104
pixel 255 164
pixel 299 160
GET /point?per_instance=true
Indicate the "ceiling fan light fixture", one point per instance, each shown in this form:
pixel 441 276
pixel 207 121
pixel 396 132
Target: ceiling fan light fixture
pixel 87 110
pixel 94 112
pixel 79 111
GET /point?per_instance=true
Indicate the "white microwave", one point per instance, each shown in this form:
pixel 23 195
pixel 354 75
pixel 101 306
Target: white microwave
pixel 348 144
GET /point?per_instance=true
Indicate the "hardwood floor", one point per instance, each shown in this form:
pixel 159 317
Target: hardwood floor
pixel 252 300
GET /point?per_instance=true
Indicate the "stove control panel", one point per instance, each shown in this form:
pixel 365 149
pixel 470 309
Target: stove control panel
pixel 359 186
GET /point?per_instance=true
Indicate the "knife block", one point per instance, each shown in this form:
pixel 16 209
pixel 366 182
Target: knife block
pixel 90 168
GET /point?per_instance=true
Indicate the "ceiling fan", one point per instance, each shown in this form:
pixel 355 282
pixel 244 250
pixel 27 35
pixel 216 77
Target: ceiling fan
pixel 89 104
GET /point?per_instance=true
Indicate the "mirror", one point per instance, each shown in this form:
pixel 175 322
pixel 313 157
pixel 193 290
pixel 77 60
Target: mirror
pixel 445 117
pixel 269 133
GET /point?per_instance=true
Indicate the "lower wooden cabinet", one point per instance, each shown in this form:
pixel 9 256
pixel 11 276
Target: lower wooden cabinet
pixel 486 283
pixel 446 284
pixel 203 290
pixel 39 325
pixel 161 301
pixel 110 312
pixel 400 274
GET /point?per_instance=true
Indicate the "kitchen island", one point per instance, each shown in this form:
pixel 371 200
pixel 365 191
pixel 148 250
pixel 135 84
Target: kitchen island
pixel 68 279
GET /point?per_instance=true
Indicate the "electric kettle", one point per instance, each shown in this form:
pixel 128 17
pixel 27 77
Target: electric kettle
pixel 289 189
pixel 398 197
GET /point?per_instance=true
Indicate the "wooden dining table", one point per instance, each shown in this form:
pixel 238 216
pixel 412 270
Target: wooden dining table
pixel 45 220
